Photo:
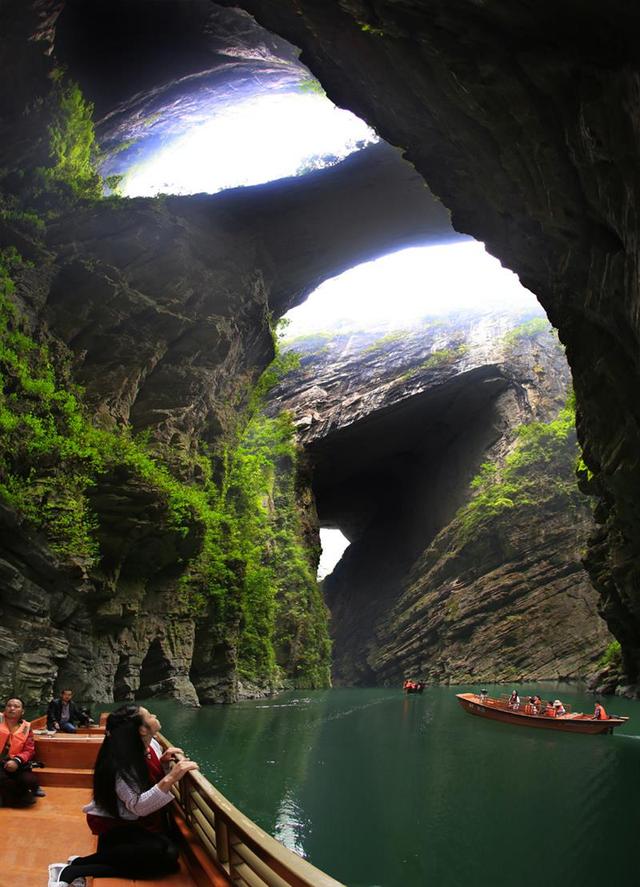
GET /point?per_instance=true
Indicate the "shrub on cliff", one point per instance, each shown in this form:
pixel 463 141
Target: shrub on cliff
pixel 539 468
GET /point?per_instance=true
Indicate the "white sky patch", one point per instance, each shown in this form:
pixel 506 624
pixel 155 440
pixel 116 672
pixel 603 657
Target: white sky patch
pixel 257 140
pixel 333 546
pixel 397 289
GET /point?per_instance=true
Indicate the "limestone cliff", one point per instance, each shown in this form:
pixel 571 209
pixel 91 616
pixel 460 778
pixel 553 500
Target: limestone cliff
pixel 133 335
pixel 521 117
pixel 445 454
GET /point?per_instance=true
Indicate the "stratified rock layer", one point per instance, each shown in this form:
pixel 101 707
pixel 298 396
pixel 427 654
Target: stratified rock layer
pixel 164 307
pixel 522 118
pixel 396 427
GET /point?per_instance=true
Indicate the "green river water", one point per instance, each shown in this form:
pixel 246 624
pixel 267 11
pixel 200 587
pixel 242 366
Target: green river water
pixel 378 788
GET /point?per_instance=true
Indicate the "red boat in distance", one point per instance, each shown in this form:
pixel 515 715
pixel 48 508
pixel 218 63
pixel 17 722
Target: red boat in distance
pixel 570 722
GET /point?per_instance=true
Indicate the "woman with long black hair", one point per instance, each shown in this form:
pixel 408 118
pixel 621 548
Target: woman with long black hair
pixel 131 788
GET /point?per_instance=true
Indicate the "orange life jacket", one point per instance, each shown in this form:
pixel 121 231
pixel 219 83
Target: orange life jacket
pixel 17 740
pixel 550 712
pixel 602 714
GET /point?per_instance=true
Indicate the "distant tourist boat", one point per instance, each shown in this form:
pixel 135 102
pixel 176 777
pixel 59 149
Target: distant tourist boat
pixel 500 710
pixel 413 686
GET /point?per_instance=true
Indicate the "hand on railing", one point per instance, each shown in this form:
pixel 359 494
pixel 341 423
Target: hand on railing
pixel 176 773
pixel 172 754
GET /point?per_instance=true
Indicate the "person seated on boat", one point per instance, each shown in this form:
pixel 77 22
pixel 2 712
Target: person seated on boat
pixel 131 789
pixel 559 708
pixel 514 700
pixel 63 714
pixel 600 713
pixel 18 784
pixel 483 695
pixel 533 705
pixel 550 711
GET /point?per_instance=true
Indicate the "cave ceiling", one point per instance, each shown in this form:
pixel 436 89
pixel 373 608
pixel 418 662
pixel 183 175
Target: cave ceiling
pixel 521 117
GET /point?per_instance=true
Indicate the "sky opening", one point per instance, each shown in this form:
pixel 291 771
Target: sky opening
pixel 257 140
pixel 397 290
pixel 333 547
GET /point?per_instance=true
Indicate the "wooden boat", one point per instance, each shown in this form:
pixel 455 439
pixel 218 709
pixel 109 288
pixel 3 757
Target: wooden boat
pixel 220 846
pixel 499 710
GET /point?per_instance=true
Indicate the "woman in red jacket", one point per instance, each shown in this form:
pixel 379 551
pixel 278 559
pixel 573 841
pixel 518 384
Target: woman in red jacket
pixel 131 789
pixel 17 750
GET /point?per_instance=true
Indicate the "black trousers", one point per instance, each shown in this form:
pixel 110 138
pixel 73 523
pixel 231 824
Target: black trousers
pixel 16 788
pixel 127 851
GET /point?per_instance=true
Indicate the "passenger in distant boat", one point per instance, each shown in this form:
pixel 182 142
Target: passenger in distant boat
pixel 600 713
pixel 550 711
pixel 514 700
pixel 559 708
pixel 532 706
pixel 18 784
pixel 63 714
pixel 483 695
pixel 131 789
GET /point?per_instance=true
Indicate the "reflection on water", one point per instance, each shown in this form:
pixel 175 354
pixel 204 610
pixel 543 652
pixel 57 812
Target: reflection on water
pixel 383 789
pixel 290 825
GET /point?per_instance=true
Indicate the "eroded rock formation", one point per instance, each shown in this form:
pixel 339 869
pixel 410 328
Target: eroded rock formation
pixel 439 582
pixel 163 307
pixel 522 120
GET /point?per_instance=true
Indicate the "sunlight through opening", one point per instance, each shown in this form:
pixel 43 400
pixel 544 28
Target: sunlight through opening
pixel 399 290
pixel 254 141
pixel 334 544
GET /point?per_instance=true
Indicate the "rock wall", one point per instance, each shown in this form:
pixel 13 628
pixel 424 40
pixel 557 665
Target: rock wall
pixel 438 582
pixel 522 120
pixel 162 309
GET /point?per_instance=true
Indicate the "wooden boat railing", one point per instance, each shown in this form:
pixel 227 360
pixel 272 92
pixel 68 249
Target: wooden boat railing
pixel 249 856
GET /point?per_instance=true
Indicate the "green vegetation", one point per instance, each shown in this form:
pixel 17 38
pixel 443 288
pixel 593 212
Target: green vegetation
pixel 444 357
pixel 612 656
pixel 382 343
pixel 528 330
pixel 252 569
pixel 310 341
pixel 436 360
pixel 283 617
pixel 369 29
pixel 537 470
pixel 311 85
pixel 72 140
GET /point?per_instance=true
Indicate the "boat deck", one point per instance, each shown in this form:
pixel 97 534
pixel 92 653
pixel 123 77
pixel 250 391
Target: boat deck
pixel 49 832
pixel 220 846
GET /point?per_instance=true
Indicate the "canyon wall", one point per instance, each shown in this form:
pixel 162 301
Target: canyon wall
pixel 134 333
pixel 446 454
pixel 522 119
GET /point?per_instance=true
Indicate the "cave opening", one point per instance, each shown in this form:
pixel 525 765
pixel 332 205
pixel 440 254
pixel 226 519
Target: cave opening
pixel 155 670
pixel 417 372
pixel 334 544
pixel 391 443
pixel 122 686
pixel 226 103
